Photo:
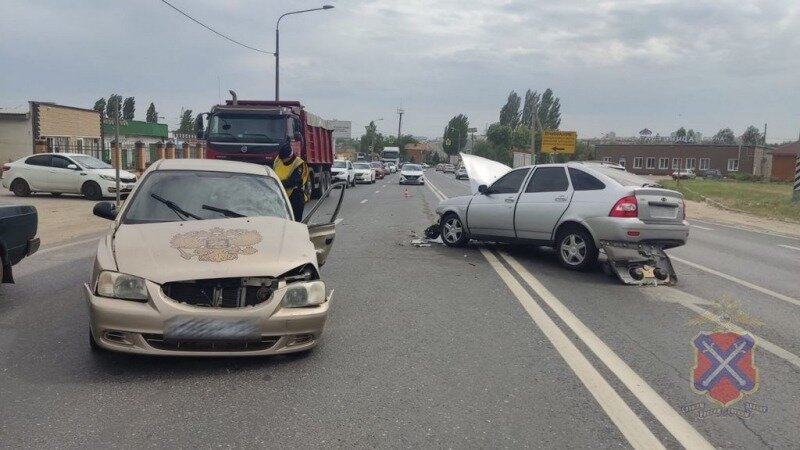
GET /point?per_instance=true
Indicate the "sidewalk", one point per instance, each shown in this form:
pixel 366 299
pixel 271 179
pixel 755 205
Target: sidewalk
pixel 61 219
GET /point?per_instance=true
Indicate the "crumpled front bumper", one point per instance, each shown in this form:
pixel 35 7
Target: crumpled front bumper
pixel 137 327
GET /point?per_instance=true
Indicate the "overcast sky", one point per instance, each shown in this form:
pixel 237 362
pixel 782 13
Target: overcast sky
pixel 616 65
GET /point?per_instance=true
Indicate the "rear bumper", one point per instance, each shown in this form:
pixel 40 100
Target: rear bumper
pixel 33 246
pixel 626 230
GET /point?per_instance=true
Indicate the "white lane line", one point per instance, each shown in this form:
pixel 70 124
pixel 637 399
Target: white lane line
pixel 747 284
pixel 377 192
pixel 435 191
pixel 364 201
pixel 629 424
pixel 338 221
pixel 676 424
pixel 767 233
pixel 63 246
pixel 383 186
pixel 789 247
pixel 702 228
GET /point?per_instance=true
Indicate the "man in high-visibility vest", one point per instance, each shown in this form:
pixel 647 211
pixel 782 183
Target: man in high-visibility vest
pixel 293 172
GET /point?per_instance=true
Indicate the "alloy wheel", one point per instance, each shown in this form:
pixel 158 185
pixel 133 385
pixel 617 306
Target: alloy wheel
pixel 573 249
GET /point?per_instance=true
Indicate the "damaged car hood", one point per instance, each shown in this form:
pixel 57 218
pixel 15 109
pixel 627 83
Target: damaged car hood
pixel 482 171
pixel 218 248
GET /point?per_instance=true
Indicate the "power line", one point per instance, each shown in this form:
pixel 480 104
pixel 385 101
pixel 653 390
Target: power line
pixel 213 30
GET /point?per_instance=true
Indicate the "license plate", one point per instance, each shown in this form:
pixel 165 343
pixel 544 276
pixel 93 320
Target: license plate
pixel 204 329
pixel 663 212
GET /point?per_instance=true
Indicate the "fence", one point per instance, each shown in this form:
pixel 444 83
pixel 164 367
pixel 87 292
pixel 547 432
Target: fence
pixel 133 157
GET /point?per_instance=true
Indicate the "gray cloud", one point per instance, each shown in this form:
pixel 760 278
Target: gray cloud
pixel 617 65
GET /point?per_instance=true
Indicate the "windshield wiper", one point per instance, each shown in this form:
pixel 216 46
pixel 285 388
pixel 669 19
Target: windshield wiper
pixel 178 210
pixel 225 212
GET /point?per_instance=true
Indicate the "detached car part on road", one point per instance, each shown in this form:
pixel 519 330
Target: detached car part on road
pixel 576 208
pixel 205 259
pixel 18 226
pixel 65 173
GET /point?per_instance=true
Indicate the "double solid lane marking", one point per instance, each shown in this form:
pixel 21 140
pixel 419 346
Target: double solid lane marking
pixel 620 413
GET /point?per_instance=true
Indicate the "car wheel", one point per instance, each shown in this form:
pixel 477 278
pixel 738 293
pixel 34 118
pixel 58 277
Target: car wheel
pixel 453 231
pixel 20 188
pixel 92 191
pixel 575 249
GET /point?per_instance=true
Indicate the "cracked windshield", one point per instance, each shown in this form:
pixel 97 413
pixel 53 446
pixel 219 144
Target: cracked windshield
pixel 400 224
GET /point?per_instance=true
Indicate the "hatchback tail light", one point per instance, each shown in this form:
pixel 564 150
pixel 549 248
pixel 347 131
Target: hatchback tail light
pixel 625 207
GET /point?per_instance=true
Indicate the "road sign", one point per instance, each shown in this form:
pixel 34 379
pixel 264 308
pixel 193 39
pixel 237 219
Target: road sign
pixel 559 141
pixel 472 130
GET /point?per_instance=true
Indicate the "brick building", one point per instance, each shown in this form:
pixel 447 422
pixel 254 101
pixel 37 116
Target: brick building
pixel 417 153
pixel 663 159
pixel 784 159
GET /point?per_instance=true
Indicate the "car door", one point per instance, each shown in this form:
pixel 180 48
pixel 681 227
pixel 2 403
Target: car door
pixel 323 234
pixel 36 172
pixel 351 172
pixel 541 205
pixel 62 178
pixel 492 213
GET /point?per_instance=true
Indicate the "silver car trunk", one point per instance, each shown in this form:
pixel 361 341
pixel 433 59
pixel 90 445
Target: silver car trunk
pixel 659 205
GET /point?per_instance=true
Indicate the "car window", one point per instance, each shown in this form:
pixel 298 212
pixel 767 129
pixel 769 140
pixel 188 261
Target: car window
pixel 88 162
pixel 412 167
pixel 510 182
pixel 39 160
pixel 362 166
pixel 624 178
pixel 582 181
pixel 548 179
pixel 59 162
pixel 339 164
pixel 246 194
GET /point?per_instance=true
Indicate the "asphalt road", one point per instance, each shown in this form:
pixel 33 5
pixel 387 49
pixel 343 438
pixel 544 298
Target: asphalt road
pixel 486 346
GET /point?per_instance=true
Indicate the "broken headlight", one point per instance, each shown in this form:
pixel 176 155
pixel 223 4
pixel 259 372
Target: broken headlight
pixel 122 286
pixel 310 293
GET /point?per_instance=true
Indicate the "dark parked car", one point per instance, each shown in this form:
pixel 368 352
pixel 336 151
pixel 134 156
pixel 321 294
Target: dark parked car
pixel 713 174
pixel 18 239
pixel 380 172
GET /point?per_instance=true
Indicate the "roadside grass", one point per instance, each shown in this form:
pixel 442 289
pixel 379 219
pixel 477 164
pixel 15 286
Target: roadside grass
pixel 763 199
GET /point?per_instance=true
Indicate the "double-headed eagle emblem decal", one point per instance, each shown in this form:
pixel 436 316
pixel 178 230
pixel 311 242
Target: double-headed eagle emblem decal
pixel 216 244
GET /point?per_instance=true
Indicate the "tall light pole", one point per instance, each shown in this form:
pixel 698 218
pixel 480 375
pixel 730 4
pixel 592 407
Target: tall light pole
pixel 277 42
pixel 400 111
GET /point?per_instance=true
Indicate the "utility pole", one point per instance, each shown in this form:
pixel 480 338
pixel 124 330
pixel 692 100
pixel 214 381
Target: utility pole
pixel 399 124
pixel 764 138
pixel 118 156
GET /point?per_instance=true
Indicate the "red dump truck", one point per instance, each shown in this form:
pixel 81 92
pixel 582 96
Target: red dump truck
pixel 254 130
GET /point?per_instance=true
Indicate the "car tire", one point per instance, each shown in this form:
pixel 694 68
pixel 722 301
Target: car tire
pixel 20 188
pixel 453 231
pixel 575 248
pixel 92 191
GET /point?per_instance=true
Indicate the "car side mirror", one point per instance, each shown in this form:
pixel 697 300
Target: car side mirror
pixel 106 210
pixel 483 189
pixel 73 167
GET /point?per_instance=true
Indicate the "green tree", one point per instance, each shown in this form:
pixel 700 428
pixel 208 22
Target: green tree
pixel 128 108
pixel 371 138
pixel 186 125
pixel 100 106
pixel 114 107
pixel 499 135
pixel 531 104
pixel 509 113
pixel 751 136
pixel 455 134
pixel 725 136
pixel 680 133
pixel 549 110
pixel 152 114
pixel 690 135
pixel 521 137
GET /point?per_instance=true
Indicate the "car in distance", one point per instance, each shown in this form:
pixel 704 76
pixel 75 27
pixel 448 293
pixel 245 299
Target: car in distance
pixel 380 172
pixel 713 174
pixel 192 266
pixel 461 172
pixel 412 174
pixel 364 172
pixel 342 170
pixel 684 174
pixel 18 224
pixel 448 168
pixel 392 168
pixel 425 166
pixel 571 207
pixel 438 167
pixel 65 173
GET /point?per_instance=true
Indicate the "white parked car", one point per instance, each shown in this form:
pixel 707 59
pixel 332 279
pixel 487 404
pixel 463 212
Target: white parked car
pixel 65 173
pixel 342 170
pixel 365 173
pixel 391 167
pixel 412 174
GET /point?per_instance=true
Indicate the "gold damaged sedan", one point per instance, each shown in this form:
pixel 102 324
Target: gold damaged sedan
pixel 204 258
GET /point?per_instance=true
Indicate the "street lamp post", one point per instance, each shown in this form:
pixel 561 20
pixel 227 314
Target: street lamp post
pixel 277 41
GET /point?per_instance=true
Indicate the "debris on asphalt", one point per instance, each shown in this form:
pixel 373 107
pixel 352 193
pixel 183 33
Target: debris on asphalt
pixel 420 243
